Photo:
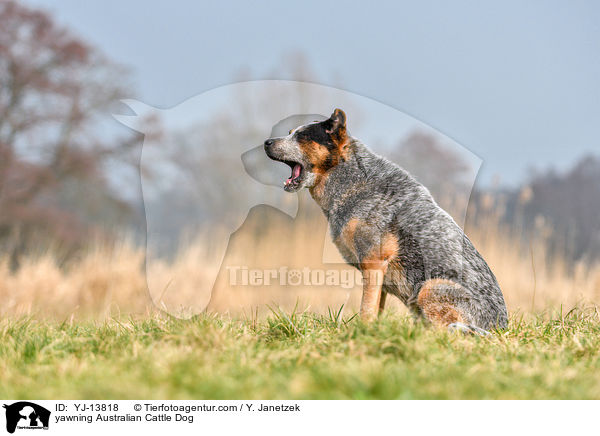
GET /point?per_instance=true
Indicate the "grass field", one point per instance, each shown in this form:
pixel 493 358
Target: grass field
pixel 299 356
pixel 89 329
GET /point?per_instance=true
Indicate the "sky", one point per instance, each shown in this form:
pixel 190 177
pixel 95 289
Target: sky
pixel 515 82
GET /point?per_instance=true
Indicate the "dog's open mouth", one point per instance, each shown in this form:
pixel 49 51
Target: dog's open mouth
pixel 293 182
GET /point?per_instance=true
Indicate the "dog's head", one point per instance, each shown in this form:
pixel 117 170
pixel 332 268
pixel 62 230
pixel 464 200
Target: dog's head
pixel 310 150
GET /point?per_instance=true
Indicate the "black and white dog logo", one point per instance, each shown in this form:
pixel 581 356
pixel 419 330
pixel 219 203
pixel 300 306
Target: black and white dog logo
pixel 26 415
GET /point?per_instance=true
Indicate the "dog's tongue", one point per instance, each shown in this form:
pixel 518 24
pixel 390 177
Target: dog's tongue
pixel 295 174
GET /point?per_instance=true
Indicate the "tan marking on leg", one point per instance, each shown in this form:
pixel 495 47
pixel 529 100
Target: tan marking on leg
pixel 372 282
pixel 438 307
pixel 384 252
pixel 389 246
pixel 374 266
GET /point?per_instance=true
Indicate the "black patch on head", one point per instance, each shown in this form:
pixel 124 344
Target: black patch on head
pixel 283 127
pixel 317 133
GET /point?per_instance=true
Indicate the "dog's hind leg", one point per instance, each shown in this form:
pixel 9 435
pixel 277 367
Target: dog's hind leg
pixel 445 303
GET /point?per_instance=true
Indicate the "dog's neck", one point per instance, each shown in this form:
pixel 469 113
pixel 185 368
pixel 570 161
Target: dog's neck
pixel 337 179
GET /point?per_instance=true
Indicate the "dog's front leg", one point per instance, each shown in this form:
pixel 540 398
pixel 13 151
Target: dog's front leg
pixel 382 301
pixel 371 298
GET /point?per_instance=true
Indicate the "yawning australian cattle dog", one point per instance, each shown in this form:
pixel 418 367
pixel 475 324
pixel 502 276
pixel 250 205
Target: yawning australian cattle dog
pixel 388 226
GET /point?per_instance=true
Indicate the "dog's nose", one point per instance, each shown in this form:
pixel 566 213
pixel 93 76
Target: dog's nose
pixel 268 142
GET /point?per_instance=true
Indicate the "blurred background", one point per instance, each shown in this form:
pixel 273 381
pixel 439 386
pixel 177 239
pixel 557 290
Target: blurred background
pixel 514 88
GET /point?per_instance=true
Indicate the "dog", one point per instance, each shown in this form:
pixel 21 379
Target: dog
pixel 388 225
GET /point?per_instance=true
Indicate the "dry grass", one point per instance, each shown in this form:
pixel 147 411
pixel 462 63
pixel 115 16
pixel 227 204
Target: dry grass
pixel 531 280
pixel 107 282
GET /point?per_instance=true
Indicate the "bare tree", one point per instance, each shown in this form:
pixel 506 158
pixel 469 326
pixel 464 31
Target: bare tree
pixel 569 202
pixel 54 92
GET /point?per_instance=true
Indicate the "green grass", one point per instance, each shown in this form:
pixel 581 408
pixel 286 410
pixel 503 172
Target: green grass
pixel 298 356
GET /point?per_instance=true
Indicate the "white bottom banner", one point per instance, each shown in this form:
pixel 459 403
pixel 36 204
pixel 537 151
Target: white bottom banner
pixel 297 417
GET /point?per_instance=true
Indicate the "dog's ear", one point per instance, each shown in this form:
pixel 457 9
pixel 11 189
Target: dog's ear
pixel 337 121
pixel 336 127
